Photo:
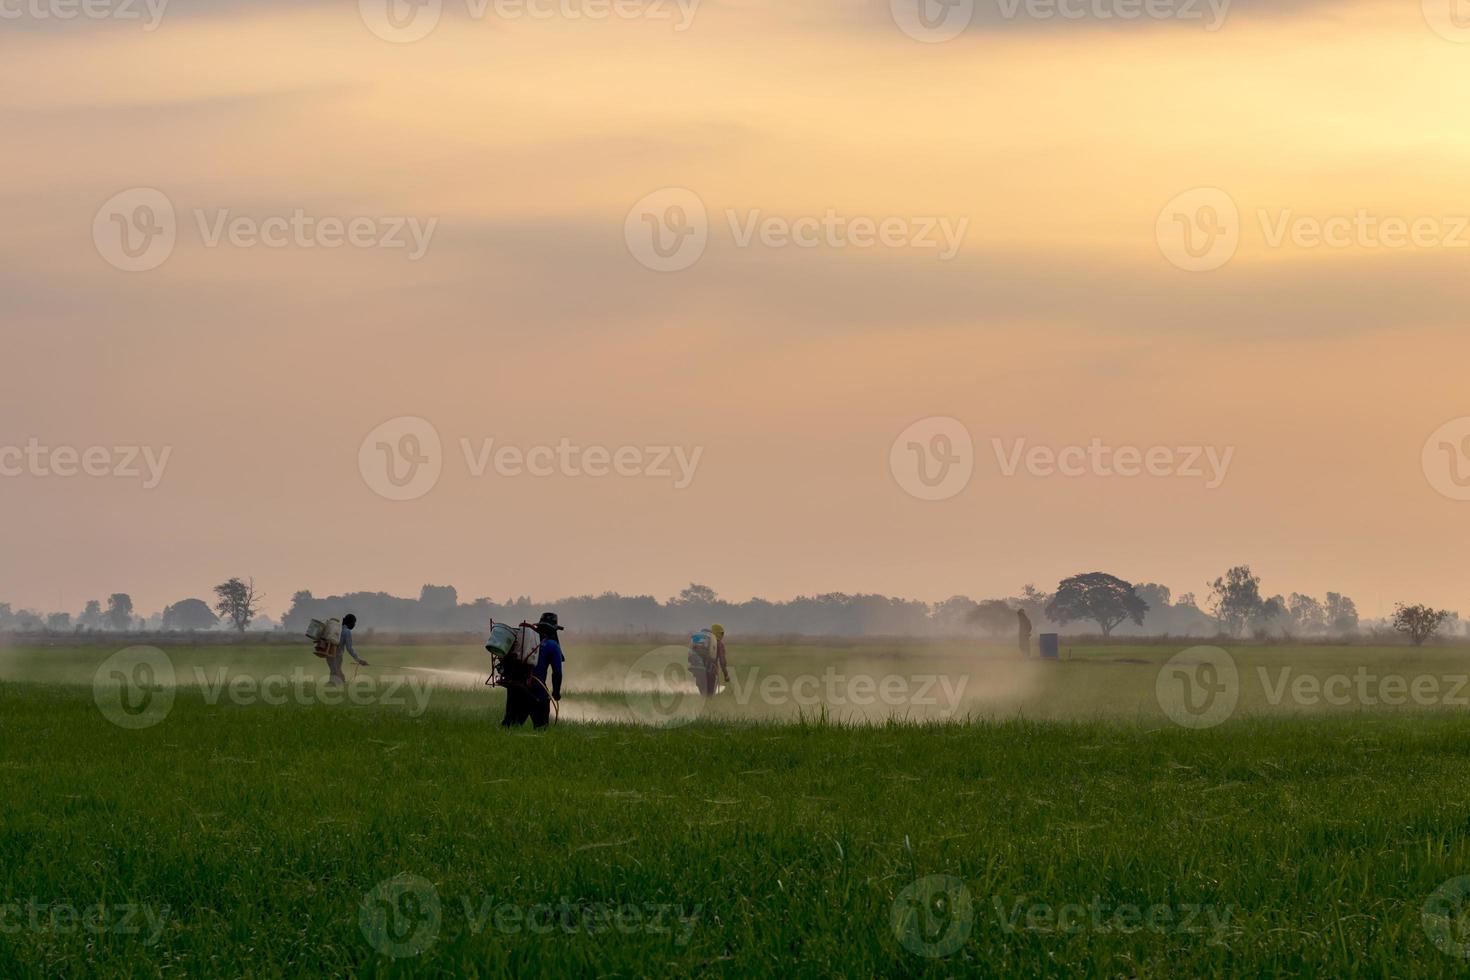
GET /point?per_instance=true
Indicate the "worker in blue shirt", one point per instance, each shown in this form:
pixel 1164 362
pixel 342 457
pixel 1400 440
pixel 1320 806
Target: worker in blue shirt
pixel 532 699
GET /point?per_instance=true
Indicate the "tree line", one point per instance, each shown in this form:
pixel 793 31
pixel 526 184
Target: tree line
pixel 1233 605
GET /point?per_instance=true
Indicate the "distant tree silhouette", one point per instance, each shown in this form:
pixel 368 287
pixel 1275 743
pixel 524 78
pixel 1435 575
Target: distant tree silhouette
pixel 238 602
pixel 91 617
pixel 1342 614
pixel 1097 596
pixel 696 595
pixel 189 614
pixel 1418 622
pixel 119 611
pixel 1306 614
pixel 1235 598
pixel 994 616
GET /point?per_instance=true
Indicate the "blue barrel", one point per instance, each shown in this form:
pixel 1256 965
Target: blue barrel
pixel 1050 647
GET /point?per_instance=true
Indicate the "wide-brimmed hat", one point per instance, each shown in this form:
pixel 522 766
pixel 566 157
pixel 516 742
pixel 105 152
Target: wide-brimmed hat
pixel 549 622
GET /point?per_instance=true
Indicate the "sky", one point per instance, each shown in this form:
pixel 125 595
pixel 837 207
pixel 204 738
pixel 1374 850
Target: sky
pixel 567 297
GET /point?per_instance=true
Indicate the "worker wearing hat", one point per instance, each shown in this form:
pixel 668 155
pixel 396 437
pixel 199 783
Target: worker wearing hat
pixel 533 698
pixel 719 632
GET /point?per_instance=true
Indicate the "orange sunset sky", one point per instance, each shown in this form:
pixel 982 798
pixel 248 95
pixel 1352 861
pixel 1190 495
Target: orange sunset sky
pixel 1063 316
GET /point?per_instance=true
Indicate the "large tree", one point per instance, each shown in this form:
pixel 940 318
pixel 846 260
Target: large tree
pixel 1418 622
pixel 1306 614
pixel 189 614
pixel 1235 599
pixel 1342 614
pixel 119 611
pixel 994 616
pixel 91 616
pixel 695 595
pixel 1105 599
pixel 238 602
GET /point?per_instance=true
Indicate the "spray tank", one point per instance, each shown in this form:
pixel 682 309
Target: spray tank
pixel 512 650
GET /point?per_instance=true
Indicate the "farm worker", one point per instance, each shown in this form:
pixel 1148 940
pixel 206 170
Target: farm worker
pixel 1024 622
pixel 702 661
pixel 719 632
pixel 529 696
pixel 334 654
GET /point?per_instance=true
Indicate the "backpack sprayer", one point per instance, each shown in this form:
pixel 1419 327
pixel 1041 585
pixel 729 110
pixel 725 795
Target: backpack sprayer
pixel 324 636
pixel 513 658
pixel 512 652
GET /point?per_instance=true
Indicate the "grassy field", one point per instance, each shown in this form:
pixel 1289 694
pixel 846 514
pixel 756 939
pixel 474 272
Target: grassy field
pixel 1047 819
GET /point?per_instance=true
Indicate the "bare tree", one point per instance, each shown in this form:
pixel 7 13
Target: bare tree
pixel 238 602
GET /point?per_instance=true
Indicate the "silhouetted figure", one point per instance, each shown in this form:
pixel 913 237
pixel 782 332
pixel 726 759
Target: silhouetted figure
pixel 344 645
pixel 1024 636
pixel 526 692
